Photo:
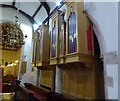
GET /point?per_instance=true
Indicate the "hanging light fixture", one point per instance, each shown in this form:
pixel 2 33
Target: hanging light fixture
pixel 12 36
pixel 17 14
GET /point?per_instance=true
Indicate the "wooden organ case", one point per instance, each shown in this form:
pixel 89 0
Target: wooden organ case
pixel 35 41
pixel 43 47
pixel 82 70
pixel 76 37
pixel 41 54
pixel 55 27
pixel 72 49
pixel 58 41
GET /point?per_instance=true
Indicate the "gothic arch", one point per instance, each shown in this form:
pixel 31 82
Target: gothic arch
pixel 98 34
pixel 101 41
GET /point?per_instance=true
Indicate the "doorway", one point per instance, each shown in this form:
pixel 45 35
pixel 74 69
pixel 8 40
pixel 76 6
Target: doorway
pixel 10 51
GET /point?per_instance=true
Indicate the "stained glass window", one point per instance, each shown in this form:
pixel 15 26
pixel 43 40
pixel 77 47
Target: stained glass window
pixel 72 42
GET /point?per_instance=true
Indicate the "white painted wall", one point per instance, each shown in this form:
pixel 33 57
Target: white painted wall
pixel 119 49
pixel 26 27
pixel 106 16
pixel 41 15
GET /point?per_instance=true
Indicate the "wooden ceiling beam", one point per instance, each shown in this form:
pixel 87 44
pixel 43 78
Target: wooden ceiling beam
pixel 37 11
pixel 54 10
pixel 45 5
pixel 13 3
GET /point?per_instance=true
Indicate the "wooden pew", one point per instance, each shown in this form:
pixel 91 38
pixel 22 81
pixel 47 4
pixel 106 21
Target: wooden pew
pixel 46 95
pixel 23 94
pixel 38 92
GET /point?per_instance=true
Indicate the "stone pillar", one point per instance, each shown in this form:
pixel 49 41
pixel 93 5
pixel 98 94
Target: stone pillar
pixel 111 74
pixel 20 63
pixel 38 77
pixel 58 80
pixel 53 79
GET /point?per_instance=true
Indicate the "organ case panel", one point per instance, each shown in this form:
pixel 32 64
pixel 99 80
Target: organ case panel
pixel 35 40
pixel 79 83
pixel 85 82
pixel 55 38
pixel 46 78
pixel 81 67
pixel 43 46
pixel 76 35
pixel 62 43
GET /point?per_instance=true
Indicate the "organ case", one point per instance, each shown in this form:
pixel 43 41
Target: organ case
pixel 35 40
pixel 55 38
pixel 82 70
pixel 76 34
pixel 43 47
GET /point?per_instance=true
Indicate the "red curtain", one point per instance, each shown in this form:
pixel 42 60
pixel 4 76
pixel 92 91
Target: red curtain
pixel 89 38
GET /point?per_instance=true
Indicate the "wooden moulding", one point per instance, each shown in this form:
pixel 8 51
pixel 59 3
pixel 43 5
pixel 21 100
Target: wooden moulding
pixel 42 64
pixel 78 57
pixel 43 67
pixel 61 60
pixel 56 61
pixel 53 61
pixel 33 64
pixel 74 59
pixel 75 66
pixel 80 62
pixel 47 67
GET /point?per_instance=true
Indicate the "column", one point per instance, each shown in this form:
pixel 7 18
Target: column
pixel 38 77
pixel 53 79
pixel 58 80
pixel 111 74
pixel 20 63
